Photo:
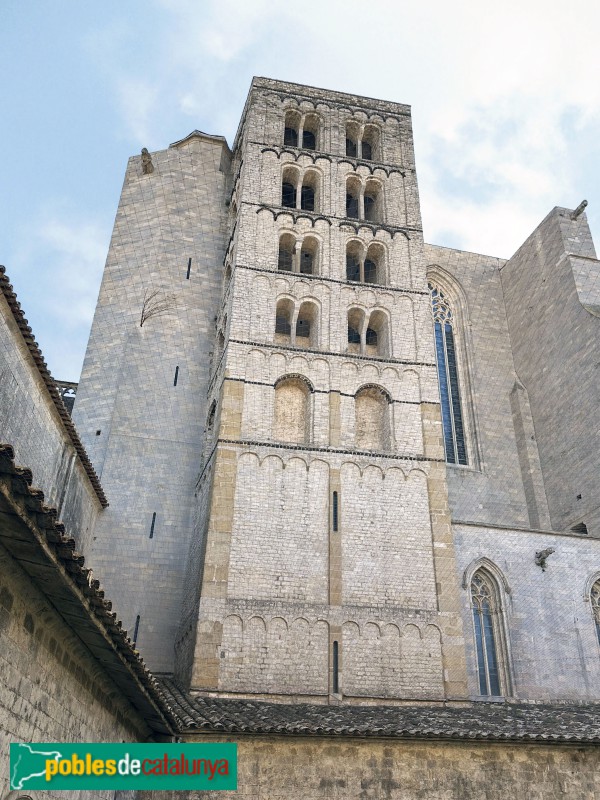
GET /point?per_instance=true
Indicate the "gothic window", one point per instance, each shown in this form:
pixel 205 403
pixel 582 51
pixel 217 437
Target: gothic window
pixel 291 418
pixel 445 347
pixel 487 624
pixel 371 407
pixel 595 600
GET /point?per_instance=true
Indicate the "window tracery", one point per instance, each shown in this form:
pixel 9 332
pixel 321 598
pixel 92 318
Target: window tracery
pixel 455 443
pixel 487 626
pixel 595 601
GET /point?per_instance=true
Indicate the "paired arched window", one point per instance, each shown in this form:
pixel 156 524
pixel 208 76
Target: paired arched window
pixel 364 200
pixel 368 334
pixel 362 141
pixel 297 325
pixel 301 130
pixel 365 265
pixel 489 634
pixel 291 421
pixel 372 419
pixel 595 601
pixel 298 255
pixel 455 443
pixel 300 189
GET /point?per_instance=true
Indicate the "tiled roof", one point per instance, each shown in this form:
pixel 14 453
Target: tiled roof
pixel 36 353
pixel 31 533
pixel 483 721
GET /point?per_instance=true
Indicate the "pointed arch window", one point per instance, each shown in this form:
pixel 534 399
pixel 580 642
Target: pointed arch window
pixel 455 443
pixel 486 622
pixel 595 600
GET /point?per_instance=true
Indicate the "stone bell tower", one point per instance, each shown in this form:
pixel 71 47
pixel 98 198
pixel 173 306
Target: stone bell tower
pixel 322 565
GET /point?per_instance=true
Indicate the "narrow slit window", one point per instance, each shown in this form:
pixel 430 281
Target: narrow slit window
pixel 152 524
pixel 136 629
pixel 336 669
pixel 334 514
pixel 189 268
pixel 176 378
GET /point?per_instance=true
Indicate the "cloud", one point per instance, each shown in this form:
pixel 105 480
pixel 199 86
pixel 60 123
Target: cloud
pixel 61 264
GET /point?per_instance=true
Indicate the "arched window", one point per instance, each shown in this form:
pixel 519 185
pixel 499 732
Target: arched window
pixel 354 257
pixel 308 195
pixel 488 629
pixel 292 124
pixel 288 195
pixel 369 142
pixel 373 202
pixel 283 321
pixel 291 419
pixel 445 348
pixel 352 197
pixel 285 261
pixel 595 601
pixel 352 134
pixel 308 256
pixel 306 326
pixel 310 128
pixel 355 325
pixel 371 408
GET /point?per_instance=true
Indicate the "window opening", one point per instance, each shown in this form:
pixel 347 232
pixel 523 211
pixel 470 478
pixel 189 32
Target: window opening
pixel 306 262
pixel 307 198
pixel 581 527
pixel 353 335
pixel 370 271
pixel 336 668
pixel 352 268
pixel 189 267
pixel 288 195
pixel 371 338
pixel 484 608
pixel 369 208
pixel 351 206
pixel 290 137
pixel 595 599
pixel 152 524
pixel 452 419
pixel 282 324
pixel 286 258
pixel 136 629
pixel 367 152
pixel 309 140
pixel 335 512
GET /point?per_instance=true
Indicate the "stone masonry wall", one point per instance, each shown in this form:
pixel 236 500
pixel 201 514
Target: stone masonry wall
pixel 553 651
pixel 554 338
pixel 342 769
pixel 291 583
pixel 51 688
pixel 141 403
pixel 30 423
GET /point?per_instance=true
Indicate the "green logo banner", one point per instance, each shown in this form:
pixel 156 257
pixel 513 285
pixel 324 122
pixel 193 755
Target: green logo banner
pixel 123 766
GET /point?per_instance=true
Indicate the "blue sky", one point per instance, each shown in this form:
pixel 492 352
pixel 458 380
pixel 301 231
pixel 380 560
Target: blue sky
pixel 505 99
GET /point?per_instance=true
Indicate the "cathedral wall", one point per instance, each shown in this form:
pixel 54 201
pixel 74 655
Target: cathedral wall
pixel 554 339
pixel 142 399
pixel 51 688
pixel 30 423
pixel 317 768
pixel 492 487
pixel 552 650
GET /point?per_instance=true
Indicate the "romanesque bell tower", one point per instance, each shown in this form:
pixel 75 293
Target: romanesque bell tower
pixel 322 564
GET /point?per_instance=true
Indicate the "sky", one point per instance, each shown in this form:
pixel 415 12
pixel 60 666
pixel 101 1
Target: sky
pixel 505 100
